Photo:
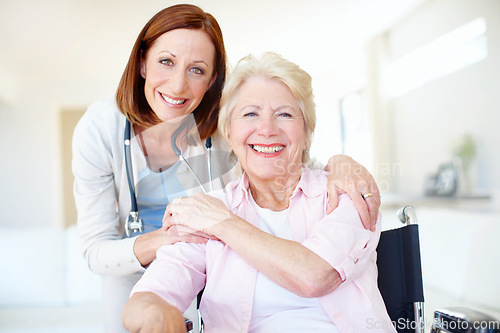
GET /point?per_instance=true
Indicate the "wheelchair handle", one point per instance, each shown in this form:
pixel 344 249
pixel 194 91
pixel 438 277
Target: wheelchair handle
pixel 407 215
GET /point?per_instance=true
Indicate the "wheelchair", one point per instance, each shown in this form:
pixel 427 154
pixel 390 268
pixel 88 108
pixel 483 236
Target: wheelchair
pixel 401 286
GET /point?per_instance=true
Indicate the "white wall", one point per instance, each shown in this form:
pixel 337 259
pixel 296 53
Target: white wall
pixel 427 122
pixel 52 57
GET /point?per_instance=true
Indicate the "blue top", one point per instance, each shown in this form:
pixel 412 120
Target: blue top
pixel 155 190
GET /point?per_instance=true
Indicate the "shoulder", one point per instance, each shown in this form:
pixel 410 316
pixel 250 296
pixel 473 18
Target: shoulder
pixel 314 174
pixel 234 192
pixel 102 123
pixel 101 116
pixel 346 212
pixel 313 180
pixel 227 193
pixel 103 111
pixel 314 185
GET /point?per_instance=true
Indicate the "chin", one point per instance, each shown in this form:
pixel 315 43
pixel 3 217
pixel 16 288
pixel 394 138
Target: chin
pixel 269 173
pixel 172 118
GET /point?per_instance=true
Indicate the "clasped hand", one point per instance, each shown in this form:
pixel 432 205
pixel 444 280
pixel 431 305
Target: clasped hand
pixel 199 212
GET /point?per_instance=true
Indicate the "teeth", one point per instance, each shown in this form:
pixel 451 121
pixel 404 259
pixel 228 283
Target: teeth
pixel 173 101
pixel 267 150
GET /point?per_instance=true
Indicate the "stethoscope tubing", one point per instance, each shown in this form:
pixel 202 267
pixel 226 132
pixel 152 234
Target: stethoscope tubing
pixel 208 144
pixel 134 209
pixel 128 167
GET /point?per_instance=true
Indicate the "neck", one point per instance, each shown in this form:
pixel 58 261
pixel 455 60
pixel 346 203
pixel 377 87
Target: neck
pixel 274 194
pixel 161 132
pixel 155 142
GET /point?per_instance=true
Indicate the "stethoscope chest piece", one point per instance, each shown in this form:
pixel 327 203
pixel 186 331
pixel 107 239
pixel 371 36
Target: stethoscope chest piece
pixel 134 225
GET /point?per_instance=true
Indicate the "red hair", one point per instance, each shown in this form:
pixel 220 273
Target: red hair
pixel 130 96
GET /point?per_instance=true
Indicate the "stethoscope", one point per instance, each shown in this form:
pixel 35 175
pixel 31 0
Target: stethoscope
pixel 134 224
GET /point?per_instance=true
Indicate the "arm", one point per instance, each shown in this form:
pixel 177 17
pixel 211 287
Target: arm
pixel 336 250
pixel 166 289
pixel 97 166
pixel 96 199
pixel 342 241
pixel 348 176
pixel 148 312
pixel 147 245
pixel 288 263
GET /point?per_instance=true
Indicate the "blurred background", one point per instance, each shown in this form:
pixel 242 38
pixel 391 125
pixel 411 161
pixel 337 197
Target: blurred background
pixel 408 88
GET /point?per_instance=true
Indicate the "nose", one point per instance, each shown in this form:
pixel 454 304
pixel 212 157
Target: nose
pixel 178 81
pixel 268 125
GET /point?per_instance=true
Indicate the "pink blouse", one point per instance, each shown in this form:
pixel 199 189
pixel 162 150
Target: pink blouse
pixel 183 269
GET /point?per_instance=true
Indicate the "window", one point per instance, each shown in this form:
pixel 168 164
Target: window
pixel 459 48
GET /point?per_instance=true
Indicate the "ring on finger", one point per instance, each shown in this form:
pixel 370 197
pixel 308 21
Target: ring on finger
pixel 367 195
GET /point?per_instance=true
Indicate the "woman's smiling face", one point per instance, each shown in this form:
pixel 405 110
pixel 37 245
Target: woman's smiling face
pixel 267 129
pixel 178 71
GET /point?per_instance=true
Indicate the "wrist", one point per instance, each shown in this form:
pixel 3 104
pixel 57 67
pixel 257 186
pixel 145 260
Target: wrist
pixel 145 249
pixel 223 228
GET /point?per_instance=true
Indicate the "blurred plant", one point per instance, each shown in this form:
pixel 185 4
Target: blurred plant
pixel 466 151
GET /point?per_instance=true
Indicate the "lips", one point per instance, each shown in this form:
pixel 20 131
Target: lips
pixel 174 101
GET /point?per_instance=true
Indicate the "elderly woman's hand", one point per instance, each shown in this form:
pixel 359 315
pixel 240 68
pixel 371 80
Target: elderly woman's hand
pixel 348 176
pixel 148 312
pixel 199 212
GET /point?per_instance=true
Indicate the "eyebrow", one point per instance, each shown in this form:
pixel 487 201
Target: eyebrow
pixel 165 51
pixel 250 106
pixel 285 106
pixel 174 56
pixel 200 61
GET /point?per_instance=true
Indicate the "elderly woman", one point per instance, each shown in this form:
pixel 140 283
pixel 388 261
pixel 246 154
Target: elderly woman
pixel 278 262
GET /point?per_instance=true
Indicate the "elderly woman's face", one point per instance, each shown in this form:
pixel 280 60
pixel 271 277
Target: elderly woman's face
pixel 267 129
